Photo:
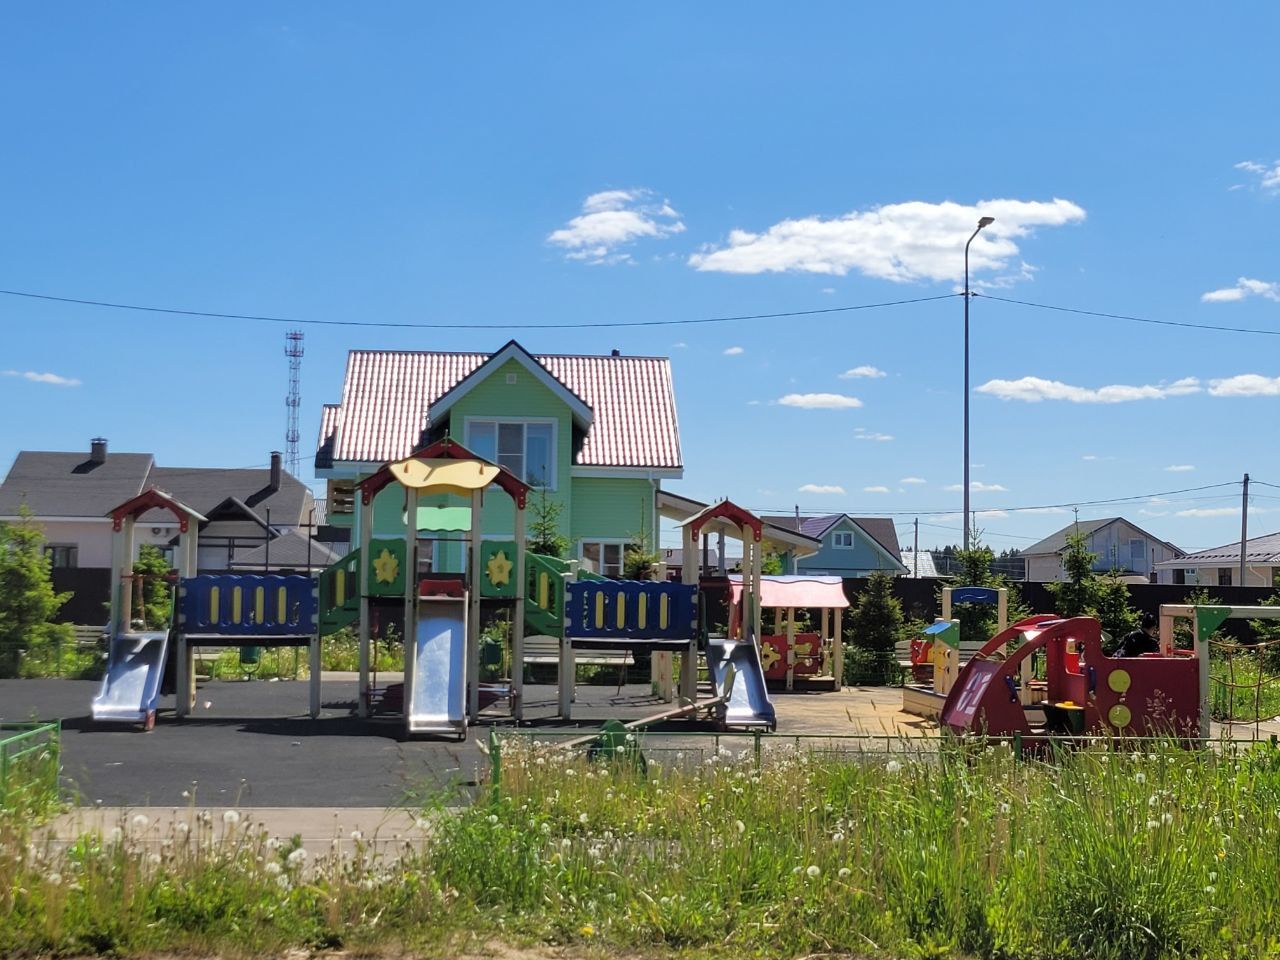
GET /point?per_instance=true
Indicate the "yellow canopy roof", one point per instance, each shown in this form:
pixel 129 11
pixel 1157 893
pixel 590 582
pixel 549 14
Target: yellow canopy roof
pixel 444 476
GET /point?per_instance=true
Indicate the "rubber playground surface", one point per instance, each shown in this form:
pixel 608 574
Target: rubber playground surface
pixel 252 743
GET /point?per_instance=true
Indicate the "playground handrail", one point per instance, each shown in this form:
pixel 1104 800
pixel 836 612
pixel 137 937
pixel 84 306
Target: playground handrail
pixel 340 593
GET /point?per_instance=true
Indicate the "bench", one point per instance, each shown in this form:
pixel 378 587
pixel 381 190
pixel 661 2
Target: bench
pixel 541 650
pixel 89 636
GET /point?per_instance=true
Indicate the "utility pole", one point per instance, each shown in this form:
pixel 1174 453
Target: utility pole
pixel 1244 526
pixel 915 551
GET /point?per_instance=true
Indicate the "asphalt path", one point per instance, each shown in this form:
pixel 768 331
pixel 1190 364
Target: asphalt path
pixel 248 743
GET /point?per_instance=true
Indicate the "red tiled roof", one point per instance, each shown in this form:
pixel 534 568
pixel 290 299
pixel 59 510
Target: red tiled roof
pixel 387 396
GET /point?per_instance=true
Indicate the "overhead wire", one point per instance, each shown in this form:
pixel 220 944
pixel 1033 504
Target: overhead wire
pixel 612 324
pixel 1220 328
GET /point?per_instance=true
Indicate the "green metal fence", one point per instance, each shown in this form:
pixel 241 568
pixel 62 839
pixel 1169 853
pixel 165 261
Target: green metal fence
pixel 30 761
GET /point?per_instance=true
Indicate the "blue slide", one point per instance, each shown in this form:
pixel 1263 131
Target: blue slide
pixel 131 687
pixel 737 675
pixel 437 688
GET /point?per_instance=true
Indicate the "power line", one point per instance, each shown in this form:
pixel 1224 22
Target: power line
pixel 775 511
pixel 1121 316
pixel 471 326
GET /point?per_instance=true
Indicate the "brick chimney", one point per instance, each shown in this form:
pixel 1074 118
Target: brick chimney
pixel 274 482
pixel 98 450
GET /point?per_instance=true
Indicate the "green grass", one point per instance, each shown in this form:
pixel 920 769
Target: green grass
pixel 1244 689
pixel 967 852
pixel 339 652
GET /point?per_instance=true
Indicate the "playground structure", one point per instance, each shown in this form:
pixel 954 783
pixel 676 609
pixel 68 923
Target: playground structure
pixel 1086 692
pixel 812 659
pixel 226 610
pixel 937 655
pixel 442 609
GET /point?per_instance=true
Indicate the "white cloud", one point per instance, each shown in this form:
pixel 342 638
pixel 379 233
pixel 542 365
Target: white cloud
pixel 820 401
pixel 866 370
pixel 1035 389
pixel 50 378
pixel 1209 512
pixel 1090 456
pixel 880 437
pixel 612 219
pixel 913 480
pixel 679 345
pixel 1153 513
pixel 977 486
pixel 1245 287
pixel 733 351
pixel 1268 176
pixel 828 290
pixel 822 488
pixel 1179 468
pixel 990 514
pixel 1245 385
pixel 1039 510
pixel 876 489
pixel 902 242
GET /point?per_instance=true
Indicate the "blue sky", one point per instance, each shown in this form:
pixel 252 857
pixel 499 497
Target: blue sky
pixel 580 163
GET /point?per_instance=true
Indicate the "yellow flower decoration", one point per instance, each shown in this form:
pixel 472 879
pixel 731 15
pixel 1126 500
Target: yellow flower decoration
pixel 769 655
pixel 386 568
pixel 499 568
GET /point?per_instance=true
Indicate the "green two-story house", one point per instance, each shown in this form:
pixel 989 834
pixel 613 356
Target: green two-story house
pixel 594 435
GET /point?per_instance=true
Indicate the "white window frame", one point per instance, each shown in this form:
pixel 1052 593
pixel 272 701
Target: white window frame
pixel 552 485
pixel 835 540
pixel 602 542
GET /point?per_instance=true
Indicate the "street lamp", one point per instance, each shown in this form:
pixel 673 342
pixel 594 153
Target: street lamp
pixel 982 222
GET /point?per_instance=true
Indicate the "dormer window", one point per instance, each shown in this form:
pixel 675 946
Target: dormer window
pixel 842 539
pixel 525 447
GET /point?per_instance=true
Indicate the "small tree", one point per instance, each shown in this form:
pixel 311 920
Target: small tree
pixel 1111 606
pixel 877 618
pixel 156 592
pixel 1074 596
pixel 638 560
pixel 28 602
pixel 770 564
pixel 544 530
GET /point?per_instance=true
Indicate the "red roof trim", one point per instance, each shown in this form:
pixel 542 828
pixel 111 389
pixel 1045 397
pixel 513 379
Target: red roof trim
pixel 727 510
pixel 151 499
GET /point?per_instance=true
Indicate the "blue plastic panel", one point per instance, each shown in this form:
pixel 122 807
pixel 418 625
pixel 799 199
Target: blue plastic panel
pixel 975 595
pixel 630 610
pixel 247 606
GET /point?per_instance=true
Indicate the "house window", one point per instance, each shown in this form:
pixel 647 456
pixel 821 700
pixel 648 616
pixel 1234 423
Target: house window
pixel 1224 576
pixel 843 540
pixel 61 556
pixel 603 556
pixel 1180 577
pixel 525 447
pixel 1137 554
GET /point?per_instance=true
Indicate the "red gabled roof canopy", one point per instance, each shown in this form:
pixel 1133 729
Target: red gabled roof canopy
pixel 150 499
pixel 446 449
pixel 728 511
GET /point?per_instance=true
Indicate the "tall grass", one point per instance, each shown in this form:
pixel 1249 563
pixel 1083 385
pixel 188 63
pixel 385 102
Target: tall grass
pixel 966 851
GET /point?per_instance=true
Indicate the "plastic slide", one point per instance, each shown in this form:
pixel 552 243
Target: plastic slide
pixel 131 687
pixel 437 692
pixel 737 675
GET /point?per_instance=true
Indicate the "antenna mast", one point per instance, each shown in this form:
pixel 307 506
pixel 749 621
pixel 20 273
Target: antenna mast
pixel 293 349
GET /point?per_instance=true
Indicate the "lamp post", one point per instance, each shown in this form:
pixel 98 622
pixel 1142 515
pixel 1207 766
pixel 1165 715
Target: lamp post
pixel 982 222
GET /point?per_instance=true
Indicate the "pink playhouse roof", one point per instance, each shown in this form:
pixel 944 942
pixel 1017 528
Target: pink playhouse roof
pixel 798 591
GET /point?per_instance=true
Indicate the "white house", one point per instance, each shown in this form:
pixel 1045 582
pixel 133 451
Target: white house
pixel 1120 545
pixel 1220 566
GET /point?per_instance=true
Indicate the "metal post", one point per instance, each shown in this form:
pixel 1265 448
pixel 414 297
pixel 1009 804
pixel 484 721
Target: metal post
pixel 1244 528
pixel 982 222
pixel 915 551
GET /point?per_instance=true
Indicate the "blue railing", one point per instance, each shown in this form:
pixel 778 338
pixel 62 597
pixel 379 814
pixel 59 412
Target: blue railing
pixel 247 606
pixel 630 610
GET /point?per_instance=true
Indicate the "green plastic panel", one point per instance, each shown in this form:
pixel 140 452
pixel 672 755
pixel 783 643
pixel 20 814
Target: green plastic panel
pixel 497 568
pixel 385 568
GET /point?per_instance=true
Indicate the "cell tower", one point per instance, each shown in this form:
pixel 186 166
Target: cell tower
pixel 293 350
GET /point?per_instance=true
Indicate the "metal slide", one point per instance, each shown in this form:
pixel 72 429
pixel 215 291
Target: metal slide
pixel 131 687
pixel 437 690
pixel 737 675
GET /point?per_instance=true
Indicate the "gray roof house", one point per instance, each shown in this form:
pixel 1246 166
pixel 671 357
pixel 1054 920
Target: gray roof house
pixel 1220 566
pixel 851 546
pixel 71 493
pixel 1119 544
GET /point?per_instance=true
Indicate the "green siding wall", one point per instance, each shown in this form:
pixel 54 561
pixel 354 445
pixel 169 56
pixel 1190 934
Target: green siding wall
pixel 611 509
pixel 525 399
